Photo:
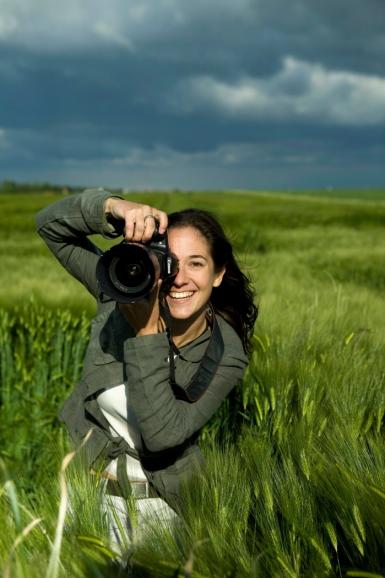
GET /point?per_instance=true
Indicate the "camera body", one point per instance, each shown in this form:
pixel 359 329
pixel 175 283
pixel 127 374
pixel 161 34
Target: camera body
pixel 128 272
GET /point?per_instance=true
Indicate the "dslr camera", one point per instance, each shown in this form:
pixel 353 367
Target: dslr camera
pixel 128 272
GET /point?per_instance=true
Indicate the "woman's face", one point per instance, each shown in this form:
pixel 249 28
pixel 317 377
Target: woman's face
pixel 192 286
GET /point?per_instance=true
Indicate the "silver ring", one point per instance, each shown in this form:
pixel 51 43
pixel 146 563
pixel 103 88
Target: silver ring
pixel 149 216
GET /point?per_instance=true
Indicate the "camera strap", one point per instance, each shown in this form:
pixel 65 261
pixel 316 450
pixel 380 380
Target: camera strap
pixel 207 367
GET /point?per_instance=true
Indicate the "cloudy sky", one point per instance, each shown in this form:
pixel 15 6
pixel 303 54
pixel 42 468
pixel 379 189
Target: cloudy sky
pixel 235 94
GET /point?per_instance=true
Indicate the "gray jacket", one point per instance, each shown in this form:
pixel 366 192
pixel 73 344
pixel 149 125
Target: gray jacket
pixel 169 427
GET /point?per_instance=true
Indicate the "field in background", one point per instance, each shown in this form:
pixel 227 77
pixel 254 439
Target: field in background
pixel 302 491
pixel 340 240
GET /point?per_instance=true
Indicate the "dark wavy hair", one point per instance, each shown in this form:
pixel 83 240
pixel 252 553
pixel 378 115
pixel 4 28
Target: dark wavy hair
pixel 234 298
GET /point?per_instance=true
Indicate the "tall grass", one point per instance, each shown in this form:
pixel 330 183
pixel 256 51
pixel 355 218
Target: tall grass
pixel 41 355
pixel 298 489
pixel 295 477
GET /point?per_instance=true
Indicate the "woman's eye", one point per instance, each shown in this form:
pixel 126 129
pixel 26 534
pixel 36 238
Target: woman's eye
pixel 196 264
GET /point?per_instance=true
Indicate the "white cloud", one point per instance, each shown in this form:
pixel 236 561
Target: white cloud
pixel 72 148
pixel 162 156
pixel 225 155
pixel 299 90
pixel 35 155
pixel 73 25
pixel 112 35
pixel 8 25
pixel 183 28
pixel 228 166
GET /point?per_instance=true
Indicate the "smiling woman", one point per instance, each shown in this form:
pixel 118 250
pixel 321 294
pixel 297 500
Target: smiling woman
pixel 157 369
pixel 196 276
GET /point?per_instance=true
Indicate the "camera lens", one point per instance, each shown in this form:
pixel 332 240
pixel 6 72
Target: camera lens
pixel 134 270
pixel 128 272
pixel 129 276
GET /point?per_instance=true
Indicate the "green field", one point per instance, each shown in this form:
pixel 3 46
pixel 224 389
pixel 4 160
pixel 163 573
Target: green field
pixel 295 482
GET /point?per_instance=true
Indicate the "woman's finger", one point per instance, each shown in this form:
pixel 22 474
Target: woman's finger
pixel 150 226
pixel 129 225
pixel 139 228
pixel 162 219
pixel 141 222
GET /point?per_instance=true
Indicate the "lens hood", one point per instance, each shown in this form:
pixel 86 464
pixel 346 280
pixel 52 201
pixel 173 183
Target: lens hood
pixel 127 272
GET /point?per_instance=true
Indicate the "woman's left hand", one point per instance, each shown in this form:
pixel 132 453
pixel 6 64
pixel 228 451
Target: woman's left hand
pixel 144 315
pixel 140 221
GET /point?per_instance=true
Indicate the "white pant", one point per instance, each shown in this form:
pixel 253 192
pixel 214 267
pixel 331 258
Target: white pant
pixel 124 530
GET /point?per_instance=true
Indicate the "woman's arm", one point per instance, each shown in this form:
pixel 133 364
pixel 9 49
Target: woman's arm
pixel 66 224
pixel 163 420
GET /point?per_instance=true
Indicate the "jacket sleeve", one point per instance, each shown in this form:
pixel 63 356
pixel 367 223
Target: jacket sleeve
pixel 65 226
pixel 163 420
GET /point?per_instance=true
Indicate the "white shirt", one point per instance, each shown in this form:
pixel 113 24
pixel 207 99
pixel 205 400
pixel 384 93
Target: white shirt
pixel 114 404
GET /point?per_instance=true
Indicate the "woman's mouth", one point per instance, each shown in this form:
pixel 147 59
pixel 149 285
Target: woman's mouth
pixel 180 294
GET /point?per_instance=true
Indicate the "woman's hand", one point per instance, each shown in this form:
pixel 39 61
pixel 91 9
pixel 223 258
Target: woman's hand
pixel 144 315
pixel 140 223
pixel 139 220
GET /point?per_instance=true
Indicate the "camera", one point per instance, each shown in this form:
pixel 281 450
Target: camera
pixel 128 272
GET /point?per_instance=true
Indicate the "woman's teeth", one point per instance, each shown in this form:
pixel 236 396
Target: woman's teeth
pixel 180 295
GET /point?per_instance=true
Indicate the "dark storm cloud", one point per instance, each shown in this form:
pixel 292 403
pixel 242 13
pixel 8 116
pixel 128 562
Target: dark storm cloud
pixel 204 93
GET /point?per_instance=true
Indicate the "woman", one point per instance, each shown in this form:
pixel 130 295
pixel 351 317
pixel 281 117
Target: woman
pixel 156 370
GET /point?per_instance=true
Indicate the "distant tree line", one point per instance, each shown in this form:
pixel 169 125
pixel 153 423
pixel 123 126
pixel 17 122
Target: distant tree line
pixel 12 187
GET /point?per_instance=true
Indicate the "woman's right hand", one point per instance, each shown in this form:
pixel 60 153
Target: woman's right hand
pixel 140 221
pixel 144 315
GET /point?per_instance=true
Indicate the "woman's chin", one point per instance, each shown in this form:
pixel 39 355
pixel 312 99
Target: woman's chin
pixel 182 310
pixel 181 313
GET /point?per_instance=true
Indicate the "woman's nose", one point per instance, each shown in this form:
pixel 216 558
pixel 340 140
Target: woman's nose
pixel 180 278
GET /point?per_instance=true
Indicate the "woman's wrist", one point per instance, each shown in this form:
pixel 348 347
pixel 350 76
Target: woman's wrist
pixel 107 207
pixel 152 329
pixel 141 324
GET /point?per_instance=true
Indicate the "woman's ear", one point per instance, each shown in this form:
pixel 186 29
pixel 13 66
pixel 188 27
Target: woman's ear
pixel 218 277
